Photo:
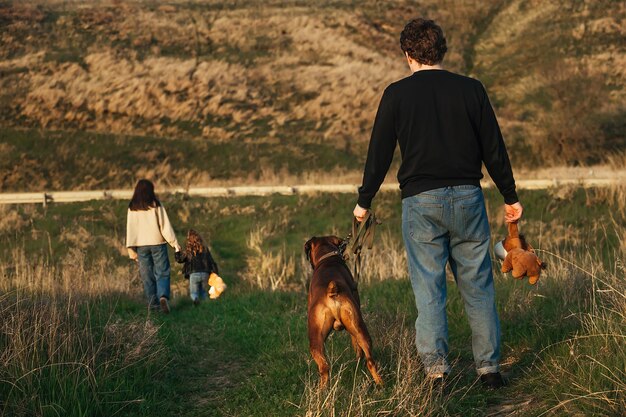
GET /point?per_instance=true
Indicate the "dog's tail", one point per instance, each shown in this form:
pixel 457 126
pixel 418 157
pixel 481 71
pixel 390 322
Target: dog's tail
pixel 332 290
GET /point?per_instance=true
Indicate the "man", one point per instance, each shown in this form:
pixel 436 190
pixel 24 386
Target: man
pixel 446 129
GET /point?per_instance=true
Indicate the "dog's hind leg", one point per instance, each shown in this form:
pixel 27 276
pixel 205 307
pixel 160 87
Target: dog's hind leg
pixel 357 348
pixel 320 324
pixel 357 329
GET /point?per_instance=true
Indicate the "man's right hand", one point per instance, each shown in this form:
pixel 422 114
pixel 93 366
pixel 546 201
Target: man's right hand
pixel 359 212
pixel 513 212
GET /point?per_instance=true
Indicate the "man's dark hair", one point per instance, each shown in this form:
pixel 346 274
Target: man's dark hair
pixel 143 197
pixel 423 40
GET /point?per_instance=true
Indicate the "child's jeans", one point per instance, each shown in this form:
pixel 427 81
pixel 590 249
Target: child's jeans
pixel 198 282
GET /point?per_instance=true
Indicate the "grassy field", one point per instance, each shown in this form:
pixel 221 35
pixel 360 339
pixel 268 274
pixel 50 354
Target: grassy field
pixel 87 161
pixel 112 79
pixel 97 94
pixel 77 340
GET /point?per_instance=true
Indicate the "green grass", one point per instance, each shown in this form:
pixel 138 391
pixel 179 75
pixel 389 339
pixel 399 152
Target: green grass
pixel 227 222
pixel 74 359
pixel 247 352
pixel 63 160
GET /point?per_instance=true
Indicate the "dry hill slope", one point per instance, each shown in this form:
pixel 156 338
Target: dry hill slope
pixel 285 74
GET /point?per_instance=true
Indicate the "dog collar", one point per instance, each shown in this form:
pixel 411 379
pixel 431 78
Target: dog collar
pixel 328 255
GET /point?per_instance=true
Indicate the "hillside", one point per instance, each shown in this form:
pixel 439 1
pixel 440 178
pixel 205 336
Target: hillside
pixel 288 73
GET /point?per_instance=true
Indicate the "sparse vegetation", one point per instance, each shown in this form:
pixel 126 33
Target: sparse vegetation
pixel 64 350
pixel 563 340
pixel 244 73
pixel 84 160
pixel 539 59
pixel 266 270
pixel 94 95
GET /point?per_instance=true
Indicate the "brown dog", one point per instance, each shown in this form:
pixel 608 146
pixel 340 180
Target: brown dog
pixel 334 304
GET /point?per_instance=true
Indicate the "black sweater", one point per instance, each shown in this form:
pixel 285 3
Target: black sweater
pixel 201 262
pixel 446 128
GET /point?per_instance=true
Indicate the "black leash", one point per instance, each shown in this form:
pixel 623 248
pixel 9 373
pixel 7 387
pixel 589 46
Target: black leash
pixel 362 235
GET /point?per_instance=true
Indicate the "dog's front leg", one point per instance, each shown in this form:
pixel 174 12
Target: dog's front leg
pixel 320 325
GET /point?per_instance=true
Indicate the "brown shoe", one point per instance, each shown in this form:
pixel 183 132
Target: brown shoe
pixel 165 306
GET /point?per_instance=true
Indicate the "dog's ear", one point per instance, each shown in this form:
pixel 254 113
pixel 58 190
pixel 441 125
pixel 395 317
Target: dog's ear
pixel 307 251
pixel 307 248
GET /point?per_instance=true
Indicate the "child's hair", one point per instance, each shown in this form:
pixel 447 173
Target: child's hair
pixel 195 244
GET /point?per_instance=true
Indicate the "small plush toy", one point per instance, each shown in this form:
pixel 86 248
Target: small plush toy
pixel 520 257
pixel 217 285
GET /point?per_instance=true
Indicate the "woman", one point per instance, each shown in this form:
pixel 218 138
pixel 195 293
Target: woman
pixel 147 230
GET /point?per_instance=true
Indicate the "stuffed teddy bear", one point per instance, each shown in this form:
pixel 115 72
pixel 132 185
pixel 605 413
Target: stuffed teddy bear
pixel 520 257
pixel 217 285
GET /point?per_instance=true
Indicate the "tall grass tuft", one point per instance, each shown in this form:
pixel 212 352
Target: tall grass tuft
pixel 386 260
pixel 70 276
pixel 265 269
pixel 587 371
pixel 63 351
pixel 352 393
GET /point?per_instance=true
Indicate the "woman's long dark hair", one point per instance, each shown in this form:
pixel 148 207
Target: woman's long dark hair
pixel 144 197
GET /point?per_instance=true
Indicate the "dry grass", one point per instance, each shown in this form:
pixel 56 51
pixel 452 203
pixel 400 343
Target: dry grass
pixel 270 67
pixel 577 54
pixel 614 195
pixel 589 368
pixel 268 270
pixel 410 395
pixel 57 351
pixel 585 371
pixel 10 219
pixel 263 72
pixel 386 260
pixel 246 71
pixel 69 277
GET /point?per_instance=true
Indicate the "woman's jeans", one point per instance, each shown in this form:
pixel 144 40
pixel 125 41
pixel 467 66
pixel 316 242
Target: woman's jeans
pixel 449 225
pixel 154 268
pixel 198 285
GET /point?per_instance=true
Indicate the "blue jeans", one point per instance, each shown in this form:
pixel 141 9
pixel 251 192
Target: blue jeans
pixel 154 268
pixel 449 225
pixel 198 282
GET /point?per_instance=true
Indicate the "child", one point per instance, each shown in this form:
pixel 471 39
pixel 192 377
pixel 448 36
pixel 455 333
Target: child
pixel 198 265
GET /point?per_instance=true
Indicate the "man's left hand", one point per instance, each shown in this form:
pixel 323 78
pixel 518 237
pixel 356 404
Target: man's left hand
pixel 359 212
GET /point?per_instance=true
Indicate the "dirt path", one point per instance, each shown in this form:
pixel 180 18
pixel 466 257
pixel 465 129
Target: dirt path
pixel 531 180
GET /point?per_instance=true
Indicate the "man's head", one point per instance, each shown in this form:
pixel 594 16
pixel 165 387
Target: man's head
pixel 422 41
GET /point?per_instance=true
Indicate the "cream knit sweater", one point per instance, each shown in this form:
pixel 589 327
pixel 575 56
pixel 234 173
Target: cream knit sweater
pixel 142 228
